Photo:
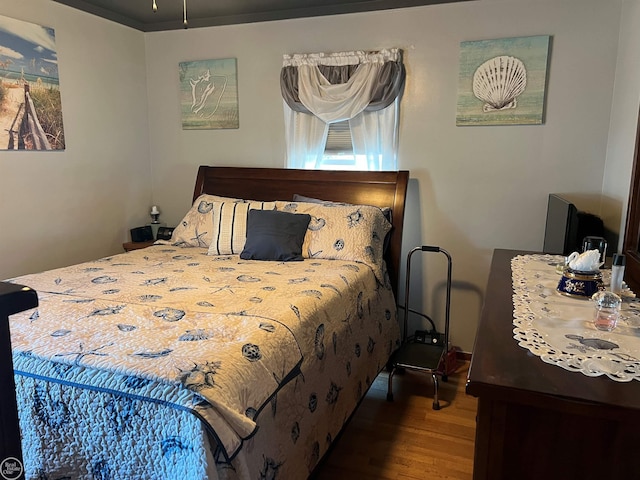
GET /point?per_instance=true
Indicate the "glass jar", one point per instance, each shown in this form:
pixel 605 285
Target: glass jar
pixel 607 310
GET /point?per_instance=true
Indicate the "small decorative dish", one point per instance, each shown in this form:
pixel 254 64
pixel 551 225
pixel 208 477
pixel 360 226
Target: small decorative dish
pixel 580 284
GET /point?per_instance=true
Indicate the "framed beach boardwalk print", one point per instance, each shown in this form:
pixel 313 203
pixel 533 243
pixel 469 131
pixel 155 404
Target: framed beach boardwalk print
pixel 30 101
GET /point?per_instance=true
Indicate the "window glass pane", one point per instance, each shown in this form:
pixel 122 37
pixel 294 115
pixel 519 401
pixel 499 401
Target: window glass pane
pixel 338 152
pixel 343 162
pixel 339 139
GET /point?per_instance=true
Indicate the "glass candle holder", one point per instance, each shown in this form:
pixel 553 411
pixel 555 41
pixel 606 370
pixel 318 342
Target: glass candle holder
pixel 595 243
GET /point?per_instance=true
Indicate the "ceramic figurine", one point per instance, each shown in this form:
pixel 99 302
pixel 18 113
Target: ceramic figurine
pixel 588 261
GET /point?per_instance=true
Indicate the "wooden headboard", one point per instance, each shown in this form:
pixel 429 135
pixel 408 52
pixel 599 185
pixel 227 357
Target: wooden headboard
pixel 382 189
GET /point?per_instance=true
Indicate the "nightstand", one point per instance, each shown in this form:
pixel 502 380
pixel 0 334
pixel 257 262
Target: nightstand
pixel 128 246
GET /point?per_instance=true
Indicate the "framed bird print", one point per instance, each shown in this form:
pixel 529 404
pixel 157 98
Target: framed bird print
pixel 503 81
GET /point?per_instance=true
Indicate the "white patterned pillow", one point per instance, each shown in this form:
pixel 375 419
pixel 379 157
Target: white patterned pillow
pixel 230 226
pixel 343 232
pixel 196 227
pixel 386 211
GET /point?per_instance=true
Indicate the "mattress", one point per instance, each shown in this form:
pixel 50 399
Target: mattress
pixel 170 363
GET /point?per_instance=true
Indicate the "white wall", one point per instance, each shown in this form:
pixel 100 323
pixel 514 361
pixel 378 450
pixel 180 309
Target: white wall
pixel 473 189
pixel 59 208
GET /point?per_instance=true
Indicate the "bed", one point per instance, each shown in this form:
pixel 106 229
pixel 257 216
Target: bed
pixel 239 349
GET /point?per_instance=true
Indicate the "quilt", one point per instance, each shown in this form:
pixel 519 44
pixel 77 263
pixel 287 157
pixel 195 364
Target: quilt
pixel 172 348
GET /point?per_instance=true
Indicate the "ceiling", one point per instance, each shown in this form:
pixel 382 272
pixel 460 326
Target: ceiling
pixel 139 14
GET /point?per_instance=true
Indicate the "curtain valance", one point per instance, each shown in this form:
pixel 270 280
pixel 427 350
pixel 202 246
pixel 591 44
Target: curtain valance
pixel 344 83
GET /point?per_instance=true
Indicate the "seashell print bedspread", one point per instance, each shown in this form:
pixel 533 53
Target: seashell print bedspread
pixel 214 335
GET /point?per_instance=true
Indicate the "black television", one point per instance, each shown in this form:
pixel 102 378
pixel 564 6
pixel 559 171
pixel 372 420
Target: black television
pixel 566 226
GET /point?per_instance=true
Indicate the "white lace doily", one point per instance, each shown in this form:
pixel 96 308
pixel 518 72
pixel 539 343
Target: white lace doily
pixel 560 330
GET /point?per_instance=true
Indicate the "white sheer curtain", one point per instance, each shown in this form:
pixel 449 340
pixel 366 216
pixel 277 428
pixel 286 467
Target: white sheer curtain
pixel 306 136
pixel 374 130
pixel 375 135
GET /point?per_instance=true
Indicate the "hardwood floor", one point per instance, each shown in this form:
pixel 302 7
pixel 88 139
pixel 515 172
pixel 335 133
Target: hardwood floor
pixel 406 439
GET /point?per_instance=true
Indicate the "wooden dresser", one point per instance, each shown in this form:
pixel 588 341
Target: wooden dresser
pixel 539 421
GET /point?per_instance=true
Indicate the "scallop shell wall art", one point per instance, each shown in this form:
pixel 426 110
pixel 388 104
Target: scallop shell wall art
pixel 499 81
pixel 503 81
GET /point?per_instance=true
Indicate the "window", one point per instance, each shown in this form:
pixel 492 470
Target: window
pixel 341 109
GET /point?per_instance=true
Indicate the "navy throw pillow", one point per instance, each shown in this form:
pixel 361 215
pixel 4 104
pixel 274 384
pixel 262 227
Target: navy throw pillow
pixel 275 235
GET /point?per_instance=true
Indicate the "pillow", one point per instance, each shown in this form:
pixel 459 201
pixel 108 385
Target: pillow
pixel 343 232
pixel 386 211
pixel 274 235
pixel 196 227
pixel 230 226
